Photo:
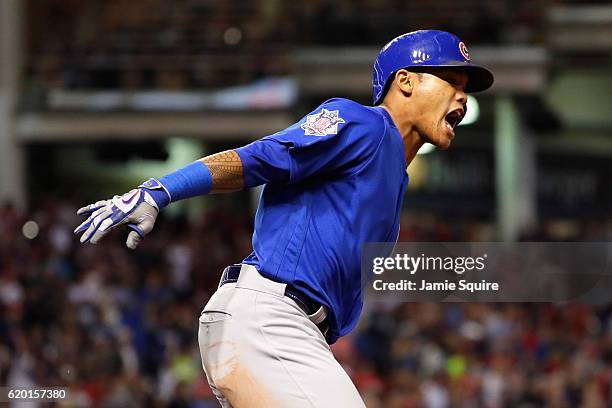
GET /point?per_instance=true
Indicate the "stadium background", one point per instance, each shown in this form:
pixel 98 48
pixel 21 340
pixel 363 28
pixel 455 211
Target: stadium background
pixel 96 96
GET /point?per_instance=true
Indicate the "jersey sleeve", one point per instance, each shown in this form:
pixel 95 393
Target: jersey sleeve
pixel 336 138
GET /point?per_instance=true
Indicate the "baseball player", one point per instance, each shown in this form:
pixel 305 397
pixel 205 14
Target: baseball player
pixel 333 181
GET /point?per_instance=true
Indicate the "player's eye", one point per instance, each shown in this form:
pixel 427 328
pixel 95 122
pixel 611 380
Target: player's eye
pixel 454 82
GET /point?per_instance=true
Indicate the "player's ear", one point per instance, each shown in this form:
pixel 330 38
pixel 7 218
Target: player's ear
pixel 405 81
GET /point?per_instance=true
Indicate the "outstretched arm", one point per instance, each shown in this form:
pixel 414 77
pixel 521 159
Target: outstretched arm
pixel 218 173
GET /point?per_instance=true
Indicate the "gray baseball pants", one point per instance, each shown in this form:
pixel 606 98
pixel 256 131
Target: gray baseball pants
pixel 259 349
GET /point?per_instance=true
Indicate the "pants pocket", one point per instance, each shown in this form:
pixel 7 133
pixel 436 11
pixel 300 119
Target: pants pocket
pixel 209 317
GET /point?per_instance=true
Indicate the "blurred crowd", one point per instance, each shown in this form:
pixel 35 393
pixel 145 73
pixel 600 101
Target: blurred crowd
pixel 194 44
pixel 482 355
pixel 119 328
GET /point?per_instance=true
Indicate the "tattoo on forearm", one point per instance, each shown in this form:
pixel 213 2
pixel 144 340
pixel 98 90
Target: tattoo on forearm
pixel 226 170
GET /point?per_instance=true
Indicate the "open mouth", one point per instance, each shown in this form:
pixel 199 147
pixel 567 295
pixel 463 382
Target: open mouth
pixel 453 118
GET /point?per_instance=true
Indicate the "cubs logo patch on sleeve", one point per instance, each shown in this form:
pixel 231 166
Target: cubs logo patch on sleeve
pixel 322 123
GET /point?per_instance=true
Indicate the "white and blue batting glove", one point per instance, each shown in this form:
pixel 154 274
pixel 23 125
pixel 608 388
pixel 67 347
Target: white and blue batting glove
pixel 137 209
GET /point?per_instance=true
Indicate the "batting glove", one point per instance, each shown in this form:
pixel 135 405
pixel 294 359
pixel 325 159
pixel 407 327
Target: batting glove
pixel 136 208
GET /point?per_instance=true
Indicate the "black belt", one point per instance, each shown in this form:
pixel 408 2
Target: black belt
pixel 308 306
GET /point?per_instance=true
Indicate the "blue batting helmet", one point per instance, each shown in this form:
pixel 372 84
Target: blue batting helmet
pixel 426 48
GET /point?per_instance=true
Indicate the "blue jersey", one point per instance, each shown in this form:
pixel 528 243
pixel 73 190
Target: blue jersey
pixel 334 180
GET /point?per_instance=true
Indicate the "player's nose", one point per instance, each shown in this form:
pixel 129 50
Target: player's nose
pixel 461 96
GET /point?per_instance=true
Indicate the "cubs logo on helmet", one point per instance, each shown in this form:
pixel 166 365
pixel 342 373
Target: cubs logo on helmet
pixel 464 51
